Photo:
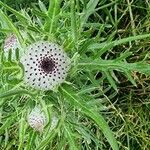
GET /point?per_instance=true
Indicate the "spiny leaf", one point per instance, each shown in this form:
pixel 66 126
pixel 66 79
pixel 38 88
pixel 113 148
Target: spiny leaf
pixel 42 6
pixel 76 101
pixel 73 22
pixel 31 139
pixel 100 64
pixel 10 25
pixel 70 138
pixel 7 123
pixel 14 92
pixel 52 13
pixel 22 129
pixel 16 13
pixel 130 78
pixel 107 65
pixel 39 13
pixel 88 11
pixel 110 79
pixel 47 139
pixel 124 55
pixel 106 45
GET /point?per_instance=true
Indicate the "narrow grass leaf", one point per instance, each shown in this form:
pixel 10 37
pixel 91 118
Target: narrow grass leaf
pixel 110 16
pixel 106 6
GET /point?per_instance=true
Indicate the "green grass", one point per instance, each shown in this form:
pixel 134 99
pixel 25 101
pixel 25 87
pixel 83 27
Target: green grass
pixel 104 103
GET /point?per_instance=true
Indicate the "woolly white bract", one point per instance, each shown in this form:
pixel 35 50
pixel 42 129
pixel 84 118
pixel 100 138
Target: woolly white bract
pixel 46 65
pixel 54 122
pixel 11 42
pixel 37 119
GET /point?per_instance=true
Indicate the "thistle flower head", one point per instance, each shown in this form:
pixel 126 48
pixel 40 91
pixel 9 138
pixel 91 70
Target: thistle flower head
pixel 37 119
pixel 45 64
pixel 10 43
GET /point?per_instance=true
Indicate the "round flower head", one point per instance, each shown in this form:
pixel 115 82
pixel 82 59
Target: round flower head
pixel 10 43
pixel 37 119
pixel 45 64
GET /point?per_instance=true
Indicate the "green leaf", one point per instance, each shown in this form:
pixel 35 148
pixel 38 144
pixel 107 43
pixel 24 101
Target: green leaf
pixel 110 79
pixel 70 138
pixel 77 102
pixel 52 19
pixel 16 13
pixel 88 11
pixel 14 92
pixel 49 136
pixel 108 65
pixel 73 22
pixel 124 55
pixel 5 20
pixel 46 140
pixel 88 135
pixel 42 6
pixel 31 139
pixel 107 45
pixel 39 13
pixel 141 67
pixel 130 78
pixel 7 123
pixel 22 129
pixel 99 64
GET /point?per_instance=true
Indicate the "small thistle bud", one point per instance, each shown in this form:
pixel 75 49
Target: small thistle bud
pixel 46 65
pixel 37 119
pixel 10 43
pixel 54 122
